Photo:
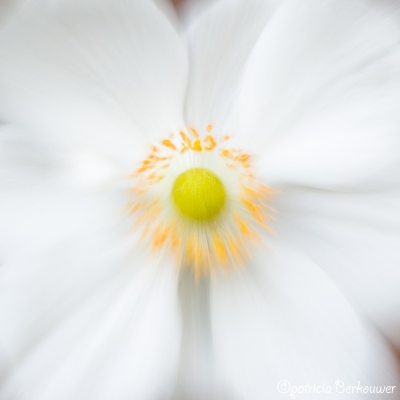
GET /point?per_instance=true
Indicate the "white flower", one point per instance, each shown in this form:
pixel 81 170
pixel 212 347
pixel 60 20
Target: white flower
pixel 104 108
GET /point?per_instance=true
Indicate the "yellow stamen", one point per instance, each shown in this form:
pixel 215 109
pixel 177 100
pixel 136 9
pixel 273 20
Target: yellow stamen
pixel 211 143
pixel 168 143
pixel 195 134
pixel 206 229
pixel 197 145
pixel 198 194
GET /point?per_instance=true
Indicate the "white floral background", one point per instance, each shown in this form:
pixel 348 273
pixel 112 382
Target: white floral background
pixel 310 88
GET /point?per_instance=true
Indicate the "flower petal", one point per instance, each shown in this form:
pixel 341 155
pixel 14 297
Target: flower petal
pixel 198 378
pixel 284 320
pixel 7 7
pixel 355 239
pixel 92 74
pixel 321 94
pixel 218 49
pixel 89 318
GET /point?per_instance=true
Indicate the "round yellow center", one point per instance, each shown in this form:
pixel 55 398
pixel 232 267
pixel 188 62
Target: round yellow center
pixel 198 194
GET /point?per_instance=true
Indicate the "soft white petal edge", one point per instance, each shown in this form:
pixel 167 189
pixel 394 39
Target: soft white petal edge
pixel 198 379
pixel 93 75
pixel 218 51
pixel 282 319
pixel 321 93
pixel 89 316
pixel 84 312
pixel 354 238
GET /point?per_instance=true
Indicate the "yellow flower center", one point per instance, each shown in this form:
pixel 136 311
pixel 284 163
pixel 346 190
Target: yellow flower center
pixel 198 194
pixel 205 218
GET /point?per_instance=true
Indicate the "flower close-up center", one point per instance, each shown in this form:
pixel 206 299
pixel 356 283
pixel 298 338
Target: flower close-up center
pixel 199 194
pixel 199 198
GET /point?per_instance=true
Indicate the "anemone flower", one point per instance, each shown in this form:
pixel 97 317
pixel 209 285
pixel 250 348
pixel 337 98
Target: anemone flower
pixel 211 214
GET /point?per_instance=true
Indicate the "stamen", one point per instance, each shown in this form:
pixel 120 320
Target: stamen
pixel 200 199
pixel 198 194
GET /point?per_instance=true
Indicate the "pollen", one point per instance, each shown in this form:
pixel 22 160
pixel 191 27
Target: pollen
pixel 198 194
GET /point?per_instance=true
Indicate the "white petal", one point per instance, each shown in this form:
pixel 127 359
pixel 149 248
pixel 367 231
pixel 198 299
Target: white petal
pixel 198 377
pixel 22 158
pixel 64 257
pixel 37 215
pixel 355 239
pixel 219 42
pixel 37 204
pixel 7 7
pixel 282 319
pixel 167 7
pixel 24 161
pixel 89 318
pixel 190 10
pixel 321 93
pixel 98 75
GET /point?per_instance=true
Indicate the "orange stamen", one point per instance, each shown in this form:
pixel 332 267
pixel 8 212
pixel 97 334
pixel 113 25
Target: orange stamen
pixel 168 143
pixel 197 145
pixel 211 143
